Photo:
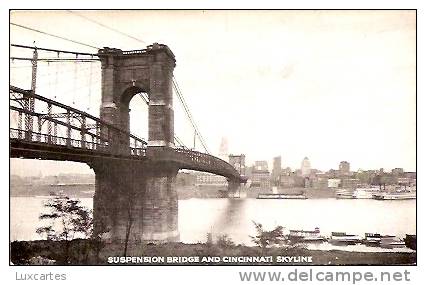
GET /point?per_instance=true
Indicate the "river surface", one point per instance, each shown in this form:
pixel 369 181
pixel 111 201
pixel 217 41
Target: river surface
pixel 235 217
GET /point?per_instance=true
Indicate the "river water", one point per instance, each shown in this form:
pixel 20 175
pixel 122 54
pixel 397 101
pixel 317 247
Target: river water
pixel 235 217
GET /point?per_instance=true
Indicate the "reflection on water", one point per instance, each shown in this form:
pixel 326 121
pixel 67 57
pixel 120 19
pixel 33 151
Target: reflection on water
pixel 234 217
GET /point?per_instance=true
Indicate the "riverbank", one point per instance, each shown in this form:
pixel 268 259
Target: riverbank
pixel 184 192
pixel 80 252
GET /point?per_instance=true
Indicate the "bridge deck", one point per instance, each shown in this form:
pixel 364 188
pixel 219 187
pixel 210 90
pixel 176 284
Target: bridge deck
pixel 82 142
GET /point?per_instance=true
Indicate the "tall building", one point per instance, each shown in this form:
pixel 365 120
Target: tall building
pixel 276 169
pixel 305 167
pixel 259 174
pixel 344 168
pixel 260 178
pixel 223 149
pixel 261 165
pixel 238 162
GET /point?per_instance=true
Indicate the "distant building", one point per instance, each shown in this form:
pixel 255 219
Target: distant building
pixel 307 183
pixel 290 180
pixel 398 172
pixel 223 149
pixel 320 182
pixel 344 168
pixel 305 167
pixel 412 175
pixel 261 165
pixel 332 173
pixel 238 162
pixel 185 178
pixel 333 183
pixel 407 181
pixel 286 180
pixel 260 178
pixel 350 183
pixel 203 178
pixel 286 170
pixel 276 169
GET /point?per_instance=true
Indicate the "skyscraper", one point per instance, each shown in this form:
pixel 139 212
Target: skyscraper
pixel 276 168
pixel 344 168
pixel 223 149
pixel 261 165
pixel 305 167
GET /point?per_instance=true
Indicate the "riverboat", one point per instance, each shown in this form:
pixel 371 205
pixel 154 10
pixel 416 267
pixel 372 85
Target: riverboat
pixel 280 196
pixel 391 242
pixel 365 193
pixel 395 196
pixel 372 239
pixel 306 236
pixel 341 238
pixel 345 194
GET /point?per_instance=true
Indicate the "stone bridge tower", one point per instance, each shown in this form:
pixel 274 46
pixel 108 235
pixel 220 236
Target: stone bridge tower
pixel 138 199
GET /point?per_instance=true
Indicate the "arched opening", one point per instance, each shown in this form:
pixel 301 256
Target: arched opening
pixel 134 112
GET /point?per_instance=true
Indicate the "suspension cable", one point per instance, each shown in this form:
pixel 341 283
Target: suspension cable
pixel 188 113
pixel 56 59
pixel 75 82
pixel 56 79
pixel 177 139
pixel 53 50
pixel 90 85
pixel 105 26
pixel 52 35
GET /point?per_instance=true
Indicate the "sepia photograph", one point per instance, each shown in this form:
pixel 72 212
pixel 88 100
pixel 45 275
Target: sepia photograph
pixel 213 138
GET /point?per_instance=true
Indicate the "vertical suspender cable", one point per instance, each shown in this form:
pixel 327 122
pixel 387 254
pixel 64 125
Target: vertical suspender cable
pixel 56 78
pixel 75 81
pixel 90 84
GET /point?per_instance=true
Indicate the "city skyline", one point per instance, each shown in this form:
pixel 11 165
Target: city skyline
pixel 333 86
pixel 78 168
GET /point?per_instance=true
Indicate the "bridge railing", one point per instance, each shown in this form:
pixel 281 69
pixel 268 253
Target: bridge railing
pixel 38 119
pixel 208 162
pixel 194 160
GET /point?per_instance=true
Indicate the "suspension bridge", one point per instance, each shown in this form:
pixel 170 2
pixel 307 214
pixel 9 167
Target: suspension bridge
pixel 135 194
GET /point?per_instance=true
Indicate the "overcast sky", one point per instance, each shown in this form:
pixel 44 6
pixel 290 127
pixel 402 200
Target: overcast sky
pixel 329 85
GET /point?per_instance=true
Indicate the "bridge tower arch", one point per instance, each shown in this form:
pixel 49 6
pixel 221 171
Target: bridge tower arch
pixel 126 73
pixel 142 194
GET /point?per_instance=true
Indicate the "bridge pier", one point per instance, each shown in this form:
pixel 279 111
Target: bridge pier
pixel 134 201
pixel 233 186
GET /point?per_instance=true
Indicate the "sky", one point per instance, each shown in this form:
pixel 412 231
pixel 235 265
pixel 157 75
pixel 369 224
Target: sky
pixel 329 85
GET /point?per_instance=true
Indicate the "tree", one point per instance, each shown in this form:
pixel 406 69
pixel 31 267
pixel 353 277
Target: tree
pixel 224 241
pixel 68 220
pixel 265 239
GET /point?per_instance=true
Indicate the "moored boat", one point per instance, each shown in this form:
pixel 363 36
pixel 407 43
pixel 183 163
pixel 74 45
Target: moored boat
pixel 365 193
pixel 372 239
pixel 341 238
pixel 388 241
pixel 394 196
pixel 344 194
pixel 280 196
pixel 306 236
